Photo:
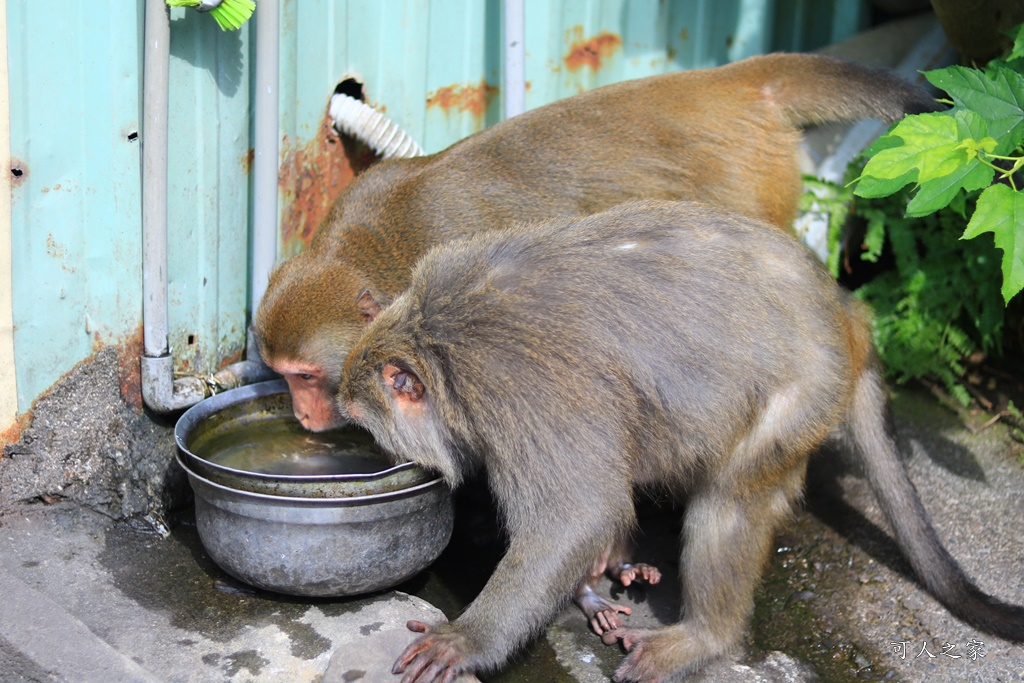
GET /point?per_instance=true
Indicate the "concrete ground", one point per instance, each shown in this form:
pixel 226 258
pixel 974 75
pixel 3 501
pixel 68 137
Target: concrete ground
pixel 84 598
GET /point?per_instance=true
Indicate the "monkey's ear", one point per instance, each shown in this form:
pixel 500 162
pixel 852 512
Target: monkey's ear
pixel 406 388
pixel 368 306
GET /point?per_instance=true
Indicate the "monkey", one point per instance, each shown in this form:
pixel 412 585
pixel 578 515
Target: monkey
pixel 656 345
pixel 727 136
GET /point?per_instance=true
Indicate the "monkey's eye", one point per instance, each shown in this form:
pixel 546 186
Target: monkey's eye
pixel 305 376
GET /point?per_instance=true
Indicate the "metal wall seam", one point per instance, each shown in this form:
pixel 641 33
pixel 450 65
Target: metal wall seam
pixel 8 377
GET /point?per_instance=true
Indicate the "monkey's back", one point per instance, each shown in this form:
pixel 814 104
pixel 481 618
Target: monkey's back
pixel 666 329
pixel 726 136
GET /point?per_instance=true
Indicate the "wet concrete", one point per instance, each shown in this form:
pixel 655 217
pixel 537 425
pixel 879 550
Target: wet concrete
pixel 86 597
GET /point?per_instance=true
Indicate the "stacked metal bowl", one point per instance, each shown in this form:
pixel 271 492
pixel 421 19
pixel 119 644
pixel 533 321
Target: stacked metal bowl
pixel 329 518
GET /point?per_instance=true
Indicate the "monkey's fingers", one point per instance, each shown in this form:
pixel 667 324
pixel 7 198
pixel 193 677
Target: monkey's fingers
pixel 607 619
pixel 418 626
pixel 628 573
pixel 431 658
pixel 434 671
pixel 629 637
pixel 414 649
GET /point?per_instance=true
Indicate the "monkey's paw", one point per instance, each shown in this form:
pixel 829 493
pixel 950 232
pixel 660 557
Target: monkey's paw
pixel 628 573
pixel 433 657
pixel 659 655
pixel 639 666
pixel 603 615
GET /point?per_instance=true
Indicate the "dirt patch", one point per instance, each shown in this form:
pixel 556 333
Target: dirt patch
pixel 86 443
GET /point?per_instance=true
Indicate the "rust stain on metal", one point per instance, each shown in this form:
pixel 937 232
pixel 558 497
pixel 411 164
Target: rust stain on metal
pixel 592 51
pixel 129 368
pixel 247 160
pixel 231 358
pixel 464 98
pixel 12 434
pixel 312 175
pixel 59 252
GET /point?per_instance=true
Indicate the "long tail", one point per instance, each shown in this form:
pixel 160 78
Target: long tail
pixel 811 89
pixel 872 437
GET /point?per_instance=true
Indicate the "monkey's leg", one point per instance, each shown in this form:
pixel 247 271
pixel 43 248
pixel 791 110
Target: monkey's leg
pixel 728 532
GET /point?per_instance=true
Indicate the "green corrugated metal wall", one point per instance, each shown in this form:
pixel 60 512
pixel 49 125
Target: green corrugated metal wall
pixel 434 66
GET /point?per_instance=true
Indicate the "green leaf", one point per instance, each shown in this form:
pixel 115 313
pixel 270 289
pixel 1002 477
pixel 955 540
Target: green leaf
pixel 1017 51
pixel 998 98
pixel 1000 210
pixel 936 193
pixel 931 144
pixel 874 240
pixel 875 187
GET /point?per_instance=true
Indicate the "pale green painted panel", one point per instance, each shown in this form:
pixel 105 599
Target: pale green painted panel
pixel 208 200
pixel 463 70
pixel 434 66
pixel 74 97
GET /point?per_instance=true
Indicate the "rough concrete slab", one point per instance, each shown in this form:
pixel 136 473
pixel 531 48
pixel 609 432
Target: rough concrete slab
pixel 835 596
pixel 86 599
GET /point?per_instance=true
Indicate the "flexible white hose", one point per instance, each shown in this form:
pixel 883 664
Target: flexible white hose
pixel 365 123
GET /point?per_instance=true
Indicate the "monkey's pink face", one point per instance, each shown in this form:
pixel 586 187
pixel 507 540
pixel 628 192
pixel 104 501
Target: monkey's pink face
pixel 312 393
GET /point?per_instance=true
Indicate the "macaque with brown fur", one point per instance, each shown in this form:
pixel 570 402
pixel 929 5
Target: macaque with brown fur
pixel 727 136
pixel 656 345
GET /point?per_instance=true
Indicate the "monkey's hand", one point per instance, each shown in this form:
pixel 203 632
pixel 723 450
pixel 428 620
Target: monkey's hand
pixel 602 615
pixel 628 573
pixel 433 657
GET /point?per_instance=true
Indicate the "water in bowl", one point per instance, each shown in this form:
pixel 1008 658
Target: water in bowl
pixel 279 445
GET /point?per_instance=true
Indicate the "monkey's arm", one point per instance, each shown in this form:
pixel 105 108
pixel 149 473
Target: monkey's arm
pixel 552 547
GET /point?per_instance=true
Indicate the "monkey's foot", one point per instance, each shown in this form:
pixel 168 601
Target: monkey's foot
pixel 628 573
pixel 662 654
pixel 602 615
pixel 433 657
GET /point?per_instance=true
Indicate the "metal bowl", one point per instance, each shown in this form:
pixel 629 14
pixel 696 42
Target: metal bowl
pixel 322 546
pixel 212 419
pixel 313 535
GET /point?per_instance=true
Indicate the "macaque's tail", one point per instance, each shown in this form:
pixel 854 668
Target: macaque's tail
pixel 871 435
pixel 812 89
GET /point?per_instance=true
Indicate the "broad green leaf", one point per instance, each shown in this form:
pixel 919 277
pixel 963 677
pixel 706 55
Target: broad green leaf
pixel 1000 210
pixel 998 98
pixel 935 194
pixel 884 142
pixel 874 187
pixel 931 144
pixel 959 205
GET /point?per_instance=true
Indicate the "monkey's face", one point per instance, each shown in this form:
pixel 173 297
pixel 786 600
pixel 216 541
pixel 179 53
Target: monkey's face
pixel 386 389
pixel 304 326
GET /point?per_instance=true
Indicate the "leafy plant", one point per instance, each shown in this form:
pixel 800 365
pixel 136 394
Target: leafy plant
pixel 974 146
pixel 941 198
